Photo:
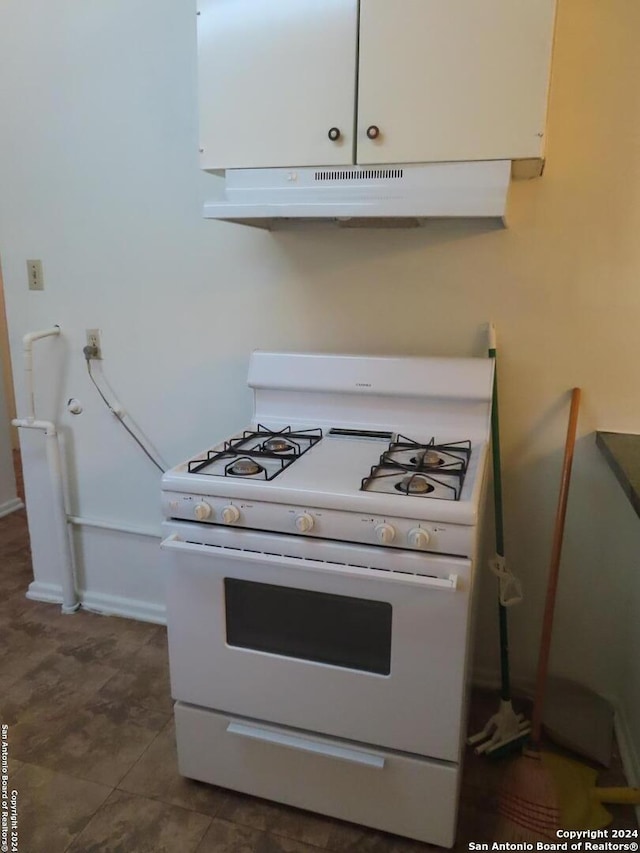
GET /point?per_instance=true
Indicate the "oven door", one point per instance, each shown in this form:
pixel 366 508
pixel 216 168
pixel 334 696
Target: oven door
pixel 361 643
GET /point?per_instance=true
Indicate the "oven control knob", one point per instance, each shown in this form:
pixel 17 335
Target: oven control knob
pixel 418 538
pixel 385 534
pixel 202 511
pixel 230 514
pixel 304 523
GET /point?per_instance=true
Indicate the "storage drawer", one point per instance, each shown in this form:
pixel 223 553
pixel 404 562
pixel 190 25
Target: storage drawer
pixel 386 790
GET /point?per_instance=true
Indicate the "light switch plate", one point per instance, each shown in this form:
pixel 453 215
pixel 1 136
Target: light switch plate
pixel 34 273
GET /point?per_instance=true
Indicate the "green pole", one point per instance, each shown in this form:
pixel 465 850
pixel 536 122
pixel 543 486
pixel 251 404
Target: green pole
pixel 505 691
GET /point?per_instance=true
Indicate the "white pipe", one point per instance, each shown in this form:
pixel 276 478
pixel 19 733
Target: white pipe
pixel 78 521
pixel 30 423
pixel 27 348
pixel 70 602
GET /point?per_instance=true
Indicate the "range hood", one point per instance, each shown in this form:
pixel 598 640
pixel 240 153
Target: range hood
pixel 367 196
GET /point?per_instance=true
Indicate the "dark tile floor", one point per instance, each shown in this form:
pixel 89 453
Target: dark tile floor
pixel 92 752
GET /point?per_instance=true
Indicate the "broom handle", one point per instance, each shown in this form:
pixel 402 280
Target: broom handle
pixel 554 569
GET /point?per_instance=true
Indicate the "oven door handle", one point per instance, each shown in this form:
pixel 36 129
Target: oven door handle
pixel 331 750
pixel 175 543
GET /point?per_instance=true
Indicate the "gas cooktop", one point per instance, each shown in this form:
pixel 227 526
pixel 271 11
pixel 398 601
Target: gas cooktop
pixel 405 466
pixel 355 470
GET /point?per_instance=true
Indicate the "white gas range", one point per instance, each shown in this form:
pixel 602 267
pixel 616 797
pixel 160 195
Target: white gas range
pixel 320 582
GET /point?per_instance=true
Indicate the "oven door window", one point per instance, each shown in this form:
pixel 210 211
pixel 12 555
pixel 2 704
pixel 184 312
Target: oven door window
pixel 316 626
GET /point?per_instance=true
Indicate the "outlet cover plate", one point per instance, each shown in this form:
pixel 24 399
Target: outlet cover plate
pixel 93 340
pixel 35 276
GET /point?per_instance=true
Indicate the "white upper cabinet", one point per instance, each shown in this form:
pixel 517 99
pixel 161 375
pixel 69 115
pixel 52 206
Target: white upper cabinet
pixel 437 80
pixel 277 82
pixel 453 79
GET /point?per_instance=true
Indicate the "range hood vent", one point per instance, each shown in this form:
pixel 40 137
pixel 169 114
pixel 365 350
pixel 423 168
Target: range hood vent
pixel 376 196
pixel 359 175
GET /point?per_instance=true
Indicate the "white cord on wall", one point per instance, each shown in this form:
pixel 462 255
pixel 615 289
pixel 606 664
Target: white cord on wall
pixel 117 410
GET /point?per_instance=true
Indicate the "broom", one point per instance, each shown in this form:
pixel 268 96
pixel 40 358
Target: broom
pixel 579 798
pixel 505 729
pixel 528 805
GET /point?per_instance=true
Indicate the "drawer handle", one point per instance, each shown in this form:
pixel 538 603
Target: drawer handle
pixel 334 134
pixel 355 756
pixel 373 132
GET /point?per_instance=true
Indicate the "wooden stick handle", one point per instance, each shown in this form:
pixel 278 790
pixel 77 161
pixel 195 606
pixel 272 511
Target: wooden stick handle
pixel 617 795
pixel 554 570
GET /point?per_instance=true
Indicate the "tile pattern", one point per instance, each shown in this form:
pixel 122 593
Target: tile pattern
pixel 92 746
pixel 156 776
pixel 129 823
pixel 53 807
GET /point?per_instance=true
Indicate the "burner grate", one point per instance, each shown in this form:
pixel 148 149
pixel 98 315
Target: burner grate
pixel 425 469
pixel 239 450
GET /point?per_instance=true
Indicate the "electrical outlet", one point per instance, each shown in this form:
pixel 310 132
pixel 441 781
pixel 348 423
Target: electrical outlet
pixel 93 340
pixel 34 274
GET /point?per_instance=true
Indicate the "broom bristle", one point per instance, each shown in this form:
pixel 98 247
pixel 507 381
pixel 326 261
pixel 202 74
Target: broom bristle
pixel 528 807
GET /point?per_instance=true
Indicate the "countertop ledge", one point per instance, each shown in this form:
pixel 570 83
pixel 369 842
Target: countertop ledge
pixel 622 452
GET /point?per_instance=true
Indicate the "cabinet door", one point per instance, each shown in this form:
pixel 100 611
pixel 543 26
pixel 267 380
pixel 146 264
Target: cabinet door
pixel 453 79
pixel 274 77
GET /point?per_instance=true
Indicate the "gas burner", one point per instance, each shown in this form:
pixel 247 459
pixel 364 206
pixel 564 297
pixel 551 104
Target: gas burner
pixel 429 456
pixel 414 485
pixel 391 478
pixel 428 459
pixel 278 445
pixel 244 467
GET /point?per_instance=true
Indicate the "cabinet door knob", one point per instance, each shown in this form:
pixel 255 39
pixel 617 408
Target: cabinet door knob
pixel 334 134
pixel 373 132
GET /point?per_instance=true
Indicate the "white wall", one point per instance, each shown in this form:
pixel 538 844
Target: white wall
pixel 98 167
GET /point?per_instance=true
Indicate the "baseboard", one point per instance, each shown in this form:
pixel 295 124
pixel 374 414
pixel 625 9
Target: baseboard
pixel 51 593
pixel 628 752
pixel 97 602
pixel 10 506
pixel 129 608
